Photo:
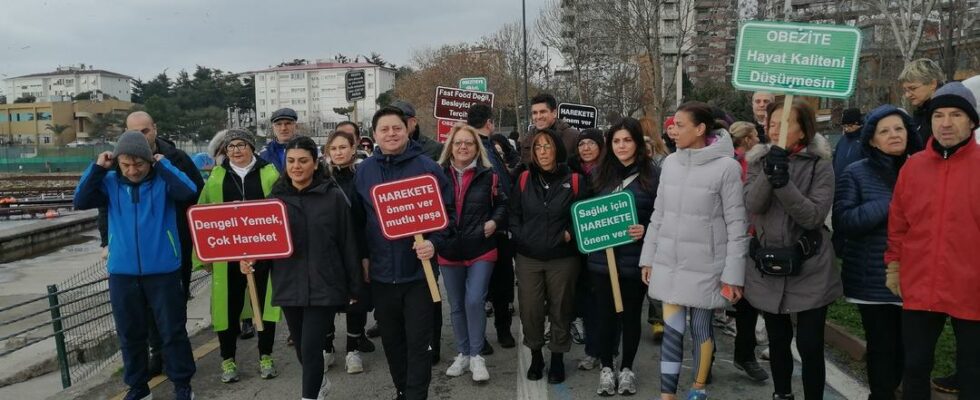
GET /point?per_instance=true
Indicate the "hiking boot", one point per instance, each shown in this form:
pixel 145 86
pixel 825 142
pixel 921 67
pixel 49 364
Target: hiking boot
pixel 753 370
pixel 556 371
pixel 478 366
pixel 267 367
pixel 229 371
pixel 588 363
pixel 183 392
pixel 607 382
pixel 536 367
pixel 460 365
pixel 354 363
pixel 139 393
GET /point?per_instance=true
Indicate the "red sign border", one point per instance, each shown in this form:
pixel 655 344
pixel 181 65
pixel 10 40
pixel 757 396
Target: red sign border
pixel 289 237
pixel 377 211
pixel 435 107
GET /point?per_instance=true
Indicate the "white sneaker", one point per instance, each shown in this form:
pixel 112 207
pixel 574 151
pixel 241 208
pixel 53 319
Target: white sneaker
pixel 354 363
pixel 328 361
pixel 627 382
pixel 588 363
pixel 478 366
pixel 607 382
pixel 460 365
pixel 324 388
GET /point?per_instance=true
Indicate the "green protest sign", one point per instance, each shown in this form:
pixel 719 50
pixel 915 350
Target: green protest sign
pixel 802 59
pixel 478 83
pixel 601 222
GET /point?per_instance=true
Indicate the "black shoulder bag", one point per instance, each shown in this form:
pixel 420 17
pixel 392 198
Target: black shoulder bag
pixel 787 261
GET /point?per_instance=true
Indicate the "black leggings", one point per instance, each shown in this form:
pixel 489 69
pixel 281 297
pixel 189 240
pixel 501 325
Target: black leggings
pixel 309 327
pixel 920 331
pixel 745 318
pixel 237 286
pixel 885 356
pixel 809 342
pixel 608 321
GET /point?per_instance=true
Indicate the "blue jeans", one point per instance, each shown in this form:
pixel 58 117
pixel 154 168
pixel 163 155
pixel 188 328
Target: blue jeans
pixel 163 294
pixel 467 289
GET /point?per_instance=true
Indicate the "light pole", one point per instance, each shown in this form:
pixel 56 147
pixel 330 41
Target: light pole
pixel 527 117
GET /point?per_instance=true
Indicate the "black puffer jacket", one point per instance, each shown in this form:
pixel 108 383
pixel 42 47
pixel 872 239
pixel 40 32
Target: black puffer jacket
pixel 481 200
pixel 324 269
pixel 179 159
pixel 628 255
pixel 540 213
pixel 344 176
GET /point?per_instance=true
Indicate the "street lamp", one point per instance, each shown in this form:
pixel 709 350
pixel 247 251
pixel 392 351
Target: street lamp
pixel 527 117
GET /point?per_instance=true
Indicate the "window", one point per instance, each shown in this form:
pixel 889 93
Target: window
pixel 262 114
pixel 44 116
pixel 298 90
pixel 261 77
pixel 4 117
pixel 297 75
pixel 272 90
pixel 47 139
pixel 283 76
pixel 299 101
pixel 262 102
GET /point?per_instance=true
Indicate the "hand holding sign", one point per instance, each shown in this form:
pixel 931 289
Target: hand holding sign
pixel 603 223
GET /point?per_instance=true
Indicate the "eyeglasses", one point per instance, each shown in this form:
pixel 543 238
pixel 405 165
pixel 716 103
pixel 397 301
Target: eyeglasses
pixel 463 143
pixel 239 147
pixel 910 89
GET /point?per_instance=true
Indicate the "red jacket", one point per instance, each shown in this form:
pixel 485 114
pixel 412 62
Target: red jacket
pixel 934 232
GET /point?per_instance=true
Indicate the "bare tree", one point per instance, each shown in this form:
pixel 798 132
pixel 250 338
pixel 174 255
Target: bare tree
pixel 956 18
pixel 907 19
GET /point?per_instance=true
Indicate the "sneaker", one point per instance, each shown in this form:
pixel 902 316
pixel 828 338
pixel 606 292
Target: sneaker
pixel 478 366
pixel 658 331
pixel 365 345
pixel 460 365
pixel 229 371
pixel 946 384
pixel 328 360
pixel 267 367
pixel 324 389
pixel 627 382
pixel 578 331
pixel 697 394
pixel 753 370
pixel 183 392
pixel 764 354
pixel 588 363
pixel 139 393
pixel 248 330
pixel 607 382
pixel 488 308
pixel 354 363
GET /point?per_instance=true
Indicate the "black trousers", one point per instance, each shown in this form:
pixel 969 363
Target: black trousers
pixel 809 342
pixel 404 314
pixel 885 355
pixel 920 331
pixel 356 316
pixel 610 324
pixel 745 317
pixel 501 289
pixel 309 327
pixel 237 288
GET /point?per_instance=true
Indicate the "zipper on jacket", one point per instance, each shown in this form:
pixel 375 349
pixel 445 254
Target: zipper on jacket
pixel 942 229
pixel 136 230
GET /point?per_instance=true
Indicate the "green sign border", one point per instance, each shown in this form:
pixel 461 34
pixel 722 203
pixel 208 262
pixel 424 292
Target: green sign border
pixel 483 79
pixel 602 199
pixel 852 82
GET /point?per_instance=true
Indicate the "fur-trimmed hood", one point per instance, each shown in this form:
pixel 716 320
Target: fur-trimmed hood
pixel 819 147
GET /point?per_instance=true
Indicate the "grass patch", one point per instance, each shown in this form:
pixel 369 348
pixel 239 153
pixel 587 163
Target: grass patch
pixel 846 315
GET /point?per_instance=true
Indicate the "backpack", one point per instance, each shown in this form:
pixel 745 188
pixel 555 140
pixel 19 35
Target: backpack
pixel 526 173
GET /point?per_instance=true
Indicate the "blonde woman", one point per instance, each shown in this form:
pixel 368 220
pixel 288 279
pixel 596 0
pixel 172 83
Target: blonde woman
pixel 920 79
pixel 467 263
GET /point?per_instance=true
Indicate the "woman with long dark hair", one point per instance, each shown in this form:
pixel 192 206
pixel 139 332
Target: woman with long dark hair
pixel 625 166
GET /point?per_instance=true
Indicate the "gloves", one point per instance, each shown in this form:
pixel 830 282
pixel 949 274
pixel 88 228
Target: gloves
pixel 776 167
pixel 891 278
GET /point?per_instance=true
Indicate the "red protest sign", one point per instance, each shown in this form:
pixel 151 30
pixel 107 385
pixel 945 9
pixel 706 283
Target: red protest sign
pixel 453 103
pixel 409 206
pixel 240 230
pixel 443 127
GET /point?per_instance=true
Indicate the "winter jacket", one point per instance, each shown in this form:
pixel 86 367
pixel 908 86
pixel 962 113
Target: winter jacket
pixel 539 216
pixel 324 269
pixel 568 135
pixel 923 122
pixel 430 148
pixel 344 176
pixel 499 166
pixel 184 163
pixel 224 185
pixel 628 255
pixel 478 199
pixel 697 236
pixel 274 153
pixel 143 238
pixel 849 150
pixel 394 261
pixel 933 229
pixel 781 216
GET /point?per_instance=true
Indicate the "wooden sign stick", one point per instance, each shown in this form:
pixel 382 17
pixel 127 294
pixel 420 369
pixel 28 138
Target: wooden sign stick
pixel 614 279
pixel 253 296
pixel 430 277
pixel 784 120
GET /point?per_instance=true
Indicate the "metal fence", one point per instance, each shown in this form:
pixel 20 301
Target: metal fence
pixel 79 318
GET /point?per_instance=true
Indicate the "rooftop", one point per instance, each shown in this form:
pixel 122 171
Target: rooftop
pixel 67 71
pixel 319 65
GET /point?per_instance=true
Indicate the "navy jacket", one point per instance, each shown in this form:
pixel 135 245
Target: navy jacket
pixel 394 261
pixel 849 149
pixel 628 255
pixel 143 238
pixel 274 153
pixel 861 216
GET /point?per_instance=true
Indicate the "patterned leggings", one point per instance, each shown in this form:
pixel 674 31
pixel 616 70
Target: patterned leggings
pixel 672 349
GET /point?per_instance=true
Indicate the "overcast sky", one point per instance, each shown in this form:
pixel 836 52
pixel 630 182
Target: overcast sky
pixel 142 38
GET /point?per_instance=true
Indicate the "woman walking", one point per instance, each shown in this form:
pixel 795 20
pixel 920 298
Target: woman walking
pixel 547 262
pixel 468 261
pixel 625 166
pixel 694 252
pixel 241 176
pixel 789 194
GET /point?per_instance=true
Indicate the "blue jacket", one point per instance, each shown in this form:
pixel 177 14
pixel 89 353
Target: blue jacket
pixel 849 150
pixel 143 238
pixel 394 261
pixel 274 153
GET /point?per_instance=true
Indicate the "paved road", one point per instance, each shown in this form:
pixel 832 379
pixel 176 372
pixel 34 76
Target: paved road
pixel 507 381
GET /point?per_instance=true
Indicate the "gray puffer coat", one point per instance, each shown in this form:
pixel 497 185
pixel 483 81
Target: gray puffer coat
pixel 697 235
pixel 781 216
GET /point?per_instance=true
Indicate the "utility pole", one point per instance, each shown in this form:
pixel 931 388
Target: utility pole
pixel 527 117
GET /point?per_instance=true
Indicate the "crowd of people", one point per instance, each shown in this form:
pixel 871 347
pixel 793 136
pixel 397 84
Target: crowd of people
pixel 729 218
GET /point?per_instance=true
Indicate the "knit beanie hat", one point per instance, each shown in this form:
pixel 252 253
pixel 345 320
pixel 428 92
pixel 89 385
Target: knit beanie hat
pixel 133 143
pixel 851 116
pixel 239 134
pixel 954 94
pixel 594 135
